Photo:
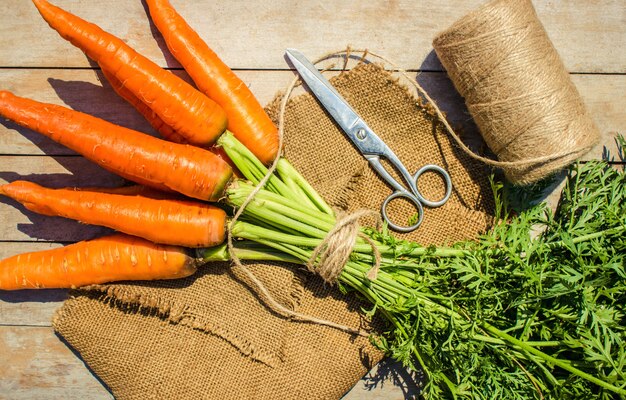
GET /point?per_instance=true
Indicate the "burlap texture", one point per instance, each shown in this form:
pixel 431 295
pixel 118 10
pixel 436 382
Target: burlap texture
pixel 142 352
pixel 208 336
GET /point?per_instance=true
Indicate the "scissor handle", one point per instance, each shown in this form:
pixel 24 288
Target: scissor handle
pixel 414 200
pixel 417 199
pixel 446 177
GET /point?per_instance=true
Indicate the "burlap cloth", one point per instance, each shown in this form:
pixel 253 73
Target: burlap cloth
pixel 209 336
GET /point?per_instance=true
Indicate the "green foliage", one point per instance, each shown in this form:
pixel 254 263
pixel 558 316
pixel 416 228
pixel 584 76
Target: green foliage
pixel 505 316
pixel 563 293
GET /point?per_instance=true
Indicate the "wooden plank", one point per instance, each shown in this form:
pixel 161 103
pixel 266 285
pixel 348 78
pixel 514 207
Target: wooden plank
pixel 254 35
pixel 82 90
pixel 387 380
pixel 56 171
pixel 42 366
pixel 603 95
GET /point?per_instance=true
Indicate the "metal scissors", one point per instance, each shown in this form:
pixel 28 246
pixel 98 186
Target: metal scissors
pixel 369 144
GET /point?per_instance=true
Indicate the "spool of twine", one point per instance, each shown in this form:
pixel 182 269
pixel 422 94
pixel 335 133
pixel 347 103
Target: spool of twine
pixel 517 89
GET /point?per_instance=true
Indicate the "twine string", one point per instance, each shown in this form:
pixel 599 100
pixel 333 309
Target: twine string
pixel 330 256
pixel 506 46
pixel 343 235
pixel 443 119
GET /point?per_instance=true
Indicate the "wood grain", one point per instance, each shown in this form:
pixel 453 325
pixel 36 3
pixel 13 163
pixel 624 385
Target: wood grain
pixel 250 35
pixel 60 171
pixel 42 366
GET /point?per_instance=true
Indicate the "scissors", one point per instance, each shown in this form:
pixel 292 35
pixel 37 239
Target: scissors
pixel 369 144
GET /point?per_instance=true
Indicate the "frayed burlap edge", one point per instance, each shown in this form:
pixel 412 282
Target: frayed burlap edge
pixel 175 313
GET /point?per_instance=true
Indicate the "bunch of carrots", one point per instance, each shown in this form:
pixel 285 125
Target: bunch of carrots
pixel 473 316
pixel 177 177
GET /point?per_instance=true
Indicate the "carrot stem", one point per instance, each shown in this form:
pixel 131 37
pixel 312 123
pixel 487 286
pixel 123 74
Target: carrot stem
pixel 244 250
pixel 287 171
pixel 251 167
pixel 239 191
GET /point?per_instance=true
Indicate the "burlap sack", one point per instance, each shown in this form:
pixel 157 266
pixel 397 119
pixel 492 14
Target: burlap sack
pixel 209 336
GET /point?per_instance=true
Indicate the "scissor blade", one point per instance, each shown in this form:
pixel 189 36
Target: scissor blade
pixel 332 101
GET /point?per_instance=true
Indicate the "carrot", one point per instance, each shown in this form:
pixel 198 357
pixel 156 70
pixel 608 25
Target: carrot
pixel 166 131
pixel 147 160
pixel 168 221
pixel 188 111
pixel 112 258
pixel 246 118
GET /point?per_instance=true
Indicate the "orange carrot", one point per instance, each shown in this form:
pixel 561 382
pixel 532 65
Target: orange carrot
pixel 246 118
pixel 186 169
pixel 188 111
pixel 113 258
pixel 166 131
pixel 168 221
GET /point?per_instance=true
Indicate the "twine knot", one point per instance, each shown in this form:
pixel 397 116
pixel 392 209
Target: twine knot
pixel 332 254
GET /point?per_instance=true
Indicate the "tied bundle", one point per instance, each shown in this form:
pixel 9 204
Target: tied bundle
pixel 517 89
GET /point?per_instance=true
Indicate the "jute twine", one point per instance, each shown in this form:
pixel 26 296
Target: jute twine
pixel 333 252
pixel 330 256
pixel 517 89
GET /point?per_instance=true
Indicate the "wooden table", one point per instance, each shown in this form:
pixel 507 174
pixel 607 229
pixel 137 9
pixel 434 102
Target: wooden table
pixel 251 37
